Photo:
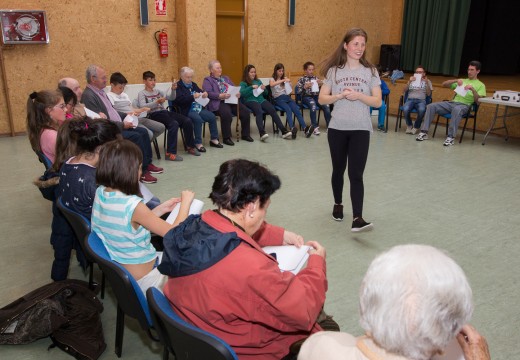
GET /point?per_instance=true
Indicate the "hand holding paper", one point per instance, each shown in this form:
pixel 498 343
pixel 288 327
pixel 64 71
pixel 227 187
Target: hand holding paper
pixel 91 114
pixel 202 100
pixel 290 258
pixel 233 91
pixel 288 88
pixel 315 87
pixel 131 119
pixel 460 90
pixel 195 208
pixel 257 91
pixel 417 81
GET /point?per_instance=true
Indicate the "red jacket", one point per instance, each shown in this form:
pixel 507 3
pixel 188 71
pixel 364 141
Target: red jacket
pixel 244 298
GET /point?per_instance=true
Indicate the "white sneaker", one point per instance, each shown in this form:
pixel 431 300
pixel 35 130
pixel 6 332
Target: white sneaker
pixel 264 137
pixel 287 135
pixel 422 136
pixel 449 141
pixel 316 131
pixel 414 131
pixel 409 130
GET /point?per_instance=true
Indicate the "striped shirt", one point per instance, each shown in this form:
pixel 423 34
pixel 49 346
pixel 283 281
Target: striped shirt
pixel 112 222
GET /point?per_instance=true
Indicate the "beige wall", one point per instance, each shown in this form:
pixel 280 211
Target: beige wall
pixel 318 30
pixel 108 33
pixel 104 32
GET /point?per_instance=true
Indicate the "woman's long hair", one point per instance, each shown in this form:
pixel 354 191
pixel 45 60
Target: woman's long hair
pixel 37 117
pixel 276 68
pixel 245 75
pixel 338 58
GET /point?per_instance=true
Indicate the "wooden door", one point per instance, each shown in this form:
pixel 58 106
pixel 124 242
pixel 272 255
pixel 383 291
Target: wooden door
pixel 232 37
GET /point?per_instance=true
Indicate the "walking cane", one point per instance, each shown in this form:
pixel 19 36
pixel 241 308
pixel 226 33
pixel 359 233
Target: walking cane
pixel 238 120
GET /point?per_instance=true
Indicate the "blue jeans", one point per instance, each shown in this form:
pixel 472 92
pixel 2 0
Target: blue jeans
pixel 314 106
pixel 381 115
pixel 289 106
pixel 199 119
pixel 409 106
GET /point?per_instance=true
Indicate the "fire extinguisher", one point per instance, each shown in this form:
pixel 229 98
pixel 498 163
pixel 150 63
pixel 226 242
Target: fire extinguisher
pixel 162 42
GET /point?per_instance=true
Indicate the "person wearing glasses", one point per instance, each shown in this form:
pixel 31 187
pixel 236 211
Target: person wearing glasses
pixel 417 93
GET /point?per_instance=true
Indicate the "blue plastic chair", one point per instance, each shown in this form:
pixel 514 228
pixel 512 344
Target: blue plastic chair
pixel 44 160
pixel 184 340
pixel 400 111
pixel 472 113
pixel 130 298
pixel 81 227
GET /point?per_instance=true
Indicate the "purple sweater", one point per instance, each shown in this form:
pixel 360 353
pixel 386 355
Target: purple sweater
pixel 212 87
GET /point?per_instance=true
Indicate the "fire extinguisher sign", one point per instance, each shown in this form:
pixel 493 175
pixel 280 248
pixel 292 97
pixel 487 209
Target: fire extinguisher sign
pixel 160 7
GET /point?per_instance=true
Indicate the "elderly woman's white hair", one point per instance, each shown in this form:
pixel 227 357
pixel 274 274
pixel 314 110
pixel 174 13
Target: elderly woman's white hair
pixel 212 63
pixel 414 299
pixel 186 70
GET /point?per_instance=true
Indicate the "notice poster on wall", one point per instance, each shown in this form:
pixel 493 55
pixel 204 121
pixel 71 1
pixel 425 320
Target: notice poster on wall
pixel 160 7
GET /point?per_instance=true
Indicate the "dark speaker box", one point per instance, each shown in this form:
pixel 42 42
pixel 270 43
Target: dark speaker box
pixel 389 57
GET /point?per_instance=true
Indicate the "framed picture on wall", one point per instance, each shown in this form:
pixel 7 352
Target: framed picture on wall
pixel 24 27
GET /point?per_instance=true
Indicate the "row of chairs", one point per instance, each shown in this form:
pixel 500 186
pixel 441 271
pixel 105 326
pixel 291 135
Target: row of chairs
pixel 471 114
pixel 153 312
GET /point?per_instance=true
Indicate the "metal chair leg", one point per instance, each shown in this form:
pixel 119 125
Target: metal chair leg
pixel 156 147
pixel 120 330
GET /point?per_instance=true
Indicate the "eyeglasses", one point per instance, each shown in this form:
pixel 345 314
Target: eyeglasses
pixel 419 72
pixel 61 106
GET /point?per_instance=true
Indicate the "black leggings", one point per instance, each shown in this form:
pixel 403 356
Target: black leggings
pixel 349 146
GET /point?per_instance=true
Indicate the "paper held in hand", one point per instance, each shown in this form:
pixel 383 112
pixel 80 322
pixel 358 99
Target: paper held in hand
pixel 131 119
pixel 195 209
pixel 233 91
pixel 460 90
pixel 91 114
pixel 202 101
pixel 315 87
pixel 417 82
pixel 257 91
pixel 289 257
pixel 288 88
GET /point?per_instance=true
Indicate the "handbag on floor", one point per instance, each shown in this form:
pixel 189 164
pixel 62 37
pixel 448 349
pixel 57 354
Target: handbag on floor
pixel 67 311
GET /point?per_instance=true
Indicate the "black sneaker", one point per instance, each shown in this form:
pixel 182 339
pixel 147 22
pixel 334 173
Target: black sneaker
pixel 294 131
pixel 309 130
pixel 337 212
pixel 359 225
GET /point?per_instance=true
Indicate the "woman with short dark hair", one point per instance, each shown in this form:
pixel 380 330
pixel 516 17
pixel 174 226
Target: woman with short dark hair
pixel 222 281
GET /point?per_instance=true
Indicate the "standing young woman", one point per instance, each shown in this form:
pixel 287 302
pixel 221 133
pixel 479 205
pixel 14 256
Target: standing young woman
pixel 352 84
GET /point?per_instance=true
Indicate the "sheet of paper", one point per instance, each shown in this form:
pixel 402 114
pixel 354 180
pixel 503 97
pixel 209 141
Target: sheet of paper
pixel 258 91
pixel 147 194
pixel 131 119
pixel 143 114
pixel 91 114
pixel 289 257
pixel 201 100
pixel 233 91
pixel 288 88
pixel 461 91
pixel 417 82
pixel 195 208
pixel 315 87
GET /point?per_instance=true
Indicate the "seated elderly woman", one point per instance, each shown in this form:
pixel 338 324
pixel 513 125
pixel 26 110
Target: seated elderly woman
pixel 217 85
pixel 414 300
pixel 223 282
pixel 187 93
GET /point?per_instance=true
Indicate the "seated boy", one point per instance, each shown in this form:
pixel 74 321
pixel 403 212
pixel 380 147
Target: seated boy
pixel 310 97
pixel 154 99
pixel 121 102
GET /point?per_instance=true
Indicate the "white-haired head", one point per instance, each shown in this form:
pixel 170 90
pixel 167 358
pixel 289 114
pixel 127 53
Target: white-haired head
pixel 212 63
pixel 413 300
pixel 186 70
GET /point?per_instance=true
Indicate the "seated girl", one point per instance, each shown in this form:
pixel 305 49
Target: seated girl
pixel 283 100
pixel 258 103
pixel 122 220
pixel 45 112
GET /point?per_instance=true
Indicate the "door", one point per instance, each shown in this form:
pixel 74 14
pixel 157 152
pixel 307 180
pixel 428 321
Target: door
pixel 232 37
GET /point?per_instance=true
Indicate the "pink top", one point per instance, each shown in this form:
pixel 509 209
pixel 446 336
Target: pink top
pixel 48 143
